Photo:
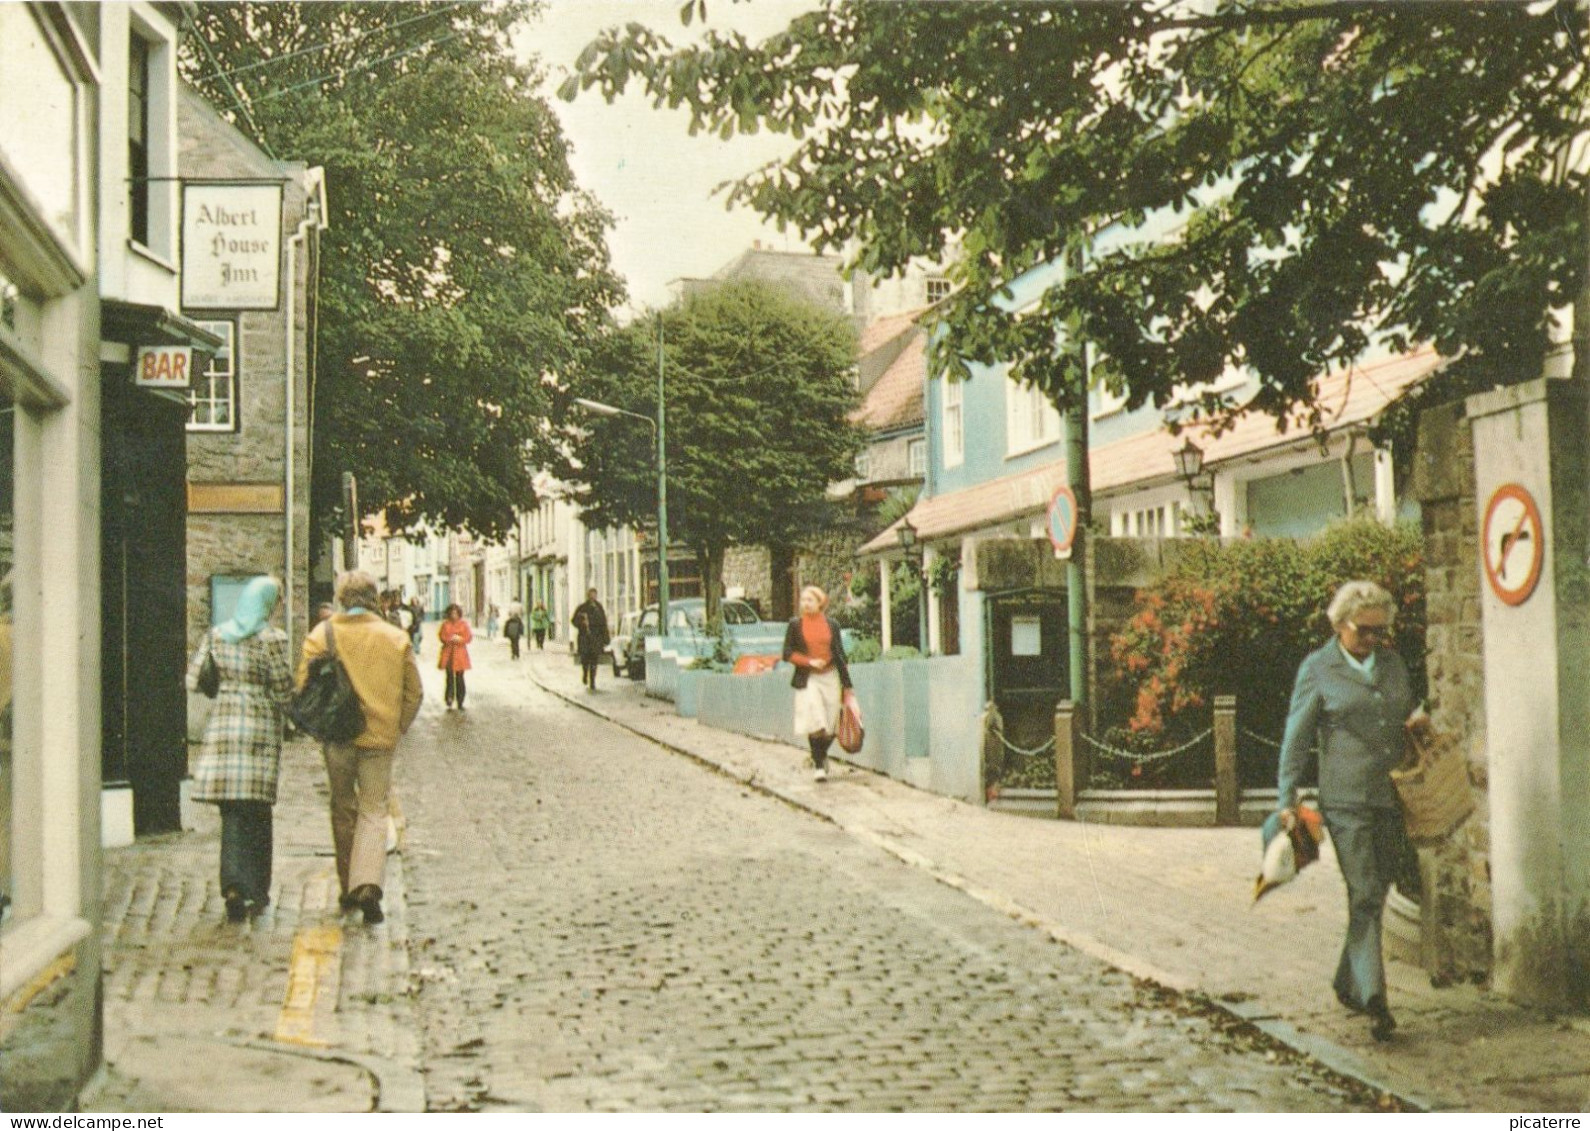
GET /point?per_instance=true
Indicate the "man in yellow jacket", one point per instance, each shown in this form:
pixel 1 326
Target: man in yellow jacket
pixel 379 660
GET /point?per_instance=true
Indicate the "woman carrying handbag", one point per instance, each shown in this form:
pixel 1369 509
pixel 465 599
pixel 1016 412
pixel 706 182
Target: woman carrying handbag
pixel 822 677
pixel 240 757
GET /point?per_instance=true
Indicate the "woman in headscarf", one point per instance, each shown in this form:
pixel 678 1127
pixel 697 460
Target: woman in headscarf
pixel 815 646
pixel 240 756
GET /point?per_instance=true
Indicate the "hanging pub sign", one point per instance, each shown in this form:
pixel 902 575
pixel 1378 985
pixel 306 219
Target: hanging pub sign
pixel 164 367
pixel 231 246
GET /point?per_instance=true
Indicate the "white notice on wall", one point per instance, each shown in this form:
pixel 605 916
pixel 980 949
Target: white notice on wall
pixel 1026 636
pixel 231 246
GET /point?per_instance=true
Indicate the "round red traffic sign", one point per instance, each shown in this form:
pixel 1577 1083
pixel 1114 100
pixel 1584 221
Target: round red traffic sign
pixel 1512 544
pixel 1062 520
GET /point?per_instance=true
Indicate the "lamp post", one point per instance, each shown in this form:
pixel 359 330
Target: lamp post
pixel 597 408
pixel 906 533
pixel 1190 466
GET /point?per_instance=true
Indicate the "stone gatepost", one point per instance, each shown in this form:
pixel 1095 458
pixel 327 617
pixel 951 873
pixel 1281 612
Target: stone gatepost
pixel 1532 497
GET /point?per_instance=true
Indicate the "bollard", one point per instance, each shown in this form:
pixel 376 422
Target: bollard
pixel 1070 763
pixel 1228 799
pixel 993 750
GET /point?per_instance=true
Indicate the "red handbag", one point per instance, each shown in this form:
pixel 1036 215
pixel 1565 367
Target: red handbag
pixel 851 732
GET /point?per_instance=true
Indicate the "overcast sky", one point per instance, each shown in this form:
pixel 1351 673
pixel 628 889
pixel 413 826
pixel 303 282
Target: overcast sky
pixel 641 162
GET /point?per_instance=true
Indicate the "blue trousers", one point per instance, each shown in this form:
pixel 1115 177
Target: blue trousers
pixel 1369 843
pixel 246 849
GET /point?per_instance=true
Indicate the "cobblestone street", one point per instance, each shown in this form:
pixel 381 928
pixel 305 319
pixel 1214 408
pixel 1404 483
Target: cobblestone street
pixel 596 923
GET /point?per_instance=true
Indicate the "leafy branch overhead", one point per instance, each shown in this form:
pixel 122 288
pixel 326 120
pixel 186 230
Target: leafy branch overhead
pixel 1310 178
pixel 462 268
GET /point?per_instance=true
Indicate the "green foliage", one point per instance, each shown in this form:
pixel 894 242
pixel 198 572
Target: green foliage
pixel 462 266
pixel 1238 617
pixel 864 651
pixel 758 397
pixel 1336 173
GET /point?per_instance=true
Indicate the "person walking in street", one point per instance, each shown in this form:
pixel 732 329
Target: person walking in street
pixel 455 636
pixel 379 660
pixel 491 622
pixel 590 623
pixel 540 622
pixel 813 644
pixel 1353 702
pixel 513 629
pixel 241 752
pixel 416 622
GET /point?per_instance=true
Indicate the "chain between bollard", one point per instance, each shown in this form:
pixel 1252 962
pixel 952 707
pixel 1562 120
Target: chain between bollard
pixel 1144 759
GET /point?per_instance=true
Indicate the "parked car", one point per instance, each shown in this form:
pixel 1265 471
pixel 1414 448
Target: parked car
pixel 744 631
pixel 619 646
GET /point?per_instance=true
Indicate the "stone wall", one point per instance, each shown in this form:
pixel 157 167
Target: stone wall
pixel 749 570
pixel 237 479
pixel 1456 902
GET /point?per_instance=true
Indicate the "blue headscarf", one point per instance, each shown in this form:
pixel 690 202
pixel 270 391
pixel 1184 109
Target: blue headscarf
pixel 253 610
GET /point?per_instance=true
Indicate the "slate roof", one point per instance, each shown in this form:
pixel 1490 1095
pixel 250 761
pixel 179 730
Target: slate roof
pixel 895 399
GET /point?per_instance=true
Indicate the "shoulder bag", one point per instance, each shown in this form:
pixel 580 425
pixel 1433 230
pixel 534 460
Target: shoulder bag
pixel 209 681
pixel 327 706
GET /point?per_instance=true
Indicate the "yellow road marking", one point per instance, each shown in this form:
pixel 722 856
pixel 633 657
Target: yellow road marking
pixel 313 967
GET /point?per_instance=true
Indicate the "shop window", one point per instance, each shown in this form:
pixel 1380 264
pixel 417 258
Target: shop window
pixel 214 392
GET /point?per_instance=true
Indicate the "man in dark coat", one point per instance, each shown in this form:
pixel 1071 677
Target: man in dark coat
pixel 590 626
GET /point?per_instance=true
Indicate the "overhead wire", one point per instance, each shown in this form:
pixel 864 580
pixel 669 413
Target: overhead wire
pixel 357 68
pixel 335 43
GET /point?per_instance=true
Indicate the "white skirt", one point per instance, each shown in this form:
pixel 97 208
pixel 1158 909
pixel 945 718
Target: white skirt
pixel 817 704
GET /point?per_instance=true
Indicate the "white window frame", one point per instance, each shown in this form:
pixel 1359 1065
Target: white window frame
pixel 1031 421
pixel 939 284
pixel 227 329
pixel 916 458
pixel 953 415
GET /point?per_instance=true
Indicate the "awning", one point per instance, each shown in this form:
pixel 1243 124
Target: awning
pixel 145 324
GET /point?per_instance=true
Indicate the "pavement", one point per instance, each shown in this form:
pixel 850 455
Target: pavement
pixel 304 1009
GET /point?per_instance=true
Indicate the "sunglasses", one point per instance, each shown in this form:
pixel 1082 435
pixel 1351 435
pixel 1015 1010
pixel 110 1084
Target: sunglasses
pixel 1380 630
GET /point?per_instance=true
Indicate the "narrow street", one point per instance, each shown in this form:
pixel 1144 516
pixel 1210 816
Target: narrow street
pixel 596 923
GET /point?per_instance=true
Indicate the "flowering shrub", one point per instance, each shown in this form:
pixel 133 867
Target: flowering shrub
pixel 1237 618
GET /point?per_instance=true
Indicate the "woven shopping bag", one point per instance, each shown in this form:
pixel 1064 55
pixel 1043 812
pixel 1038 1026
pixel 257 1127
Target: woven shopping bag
pixel 1433 785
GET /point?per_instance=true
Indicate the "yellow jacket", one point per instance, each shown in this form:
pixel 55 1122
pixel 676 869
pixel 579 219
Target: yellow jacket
pixel 379 660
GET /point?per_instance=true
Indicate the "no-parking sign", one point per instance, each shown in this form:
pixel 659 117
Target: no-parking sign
pixel 1062 521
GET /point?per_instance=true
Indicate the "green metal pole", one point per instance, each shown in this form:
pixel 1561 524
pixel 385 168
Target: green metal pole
pixel 1076 568
pixel 662 489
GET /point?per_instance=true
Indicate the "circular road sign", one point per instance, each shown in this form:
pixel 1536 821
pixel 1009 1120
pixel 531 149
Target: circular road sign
pixel 1062 520
pixel 1512 543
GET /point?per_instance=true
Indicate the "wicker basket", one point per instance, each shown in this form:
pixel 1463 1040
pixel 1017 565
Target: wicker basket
pixel 1434 787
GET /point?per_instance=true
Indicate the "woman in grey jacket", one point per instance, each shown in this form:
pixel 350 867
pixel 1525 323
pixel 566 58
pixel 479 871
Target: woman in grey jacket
pixel 1351 705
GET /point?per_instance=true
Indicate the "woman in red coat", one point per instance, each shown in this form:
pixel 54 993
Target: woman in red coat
pixel 455 637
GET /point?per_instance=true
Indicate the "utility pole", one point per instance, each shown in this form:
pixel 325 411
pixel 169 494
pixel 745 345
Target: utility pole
pixel 662 490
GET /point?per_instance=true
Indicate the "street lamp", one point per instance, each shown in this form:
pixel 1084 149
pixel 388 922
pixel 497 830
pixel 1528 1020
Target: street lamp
pixel 907 535
pixel 659 426
pixel 1190 466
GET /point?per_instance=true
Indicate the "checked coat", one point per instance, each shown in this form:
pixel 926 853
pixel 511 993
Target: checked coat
pixel 240 757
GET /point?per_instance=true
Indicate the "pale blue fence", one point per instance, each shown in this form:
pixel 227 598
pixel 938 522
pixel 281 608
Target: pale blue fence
pixel 922 716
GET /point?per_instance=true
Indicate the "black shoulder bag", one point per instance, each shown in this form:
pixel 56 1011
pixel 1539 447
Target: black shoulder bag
pixel 327 706
pixel 209 681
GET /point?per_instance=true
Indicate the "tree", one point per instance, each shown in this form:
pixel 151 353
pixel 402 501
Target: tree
pixel 758 396
pixel 1340 173
pixel 462 269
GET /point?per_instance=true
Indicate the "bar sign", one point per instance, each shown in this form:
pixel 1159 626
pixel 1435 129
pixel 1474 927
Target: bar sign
pixel 164 367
